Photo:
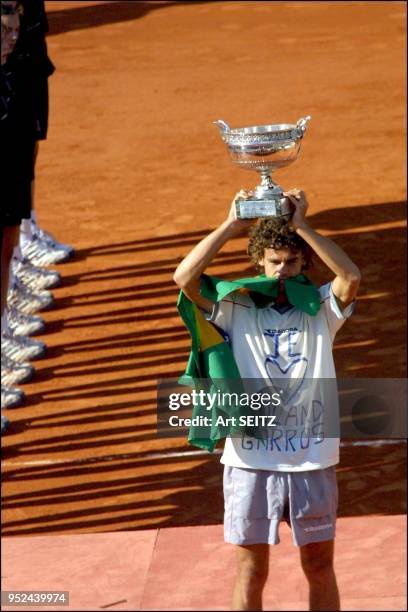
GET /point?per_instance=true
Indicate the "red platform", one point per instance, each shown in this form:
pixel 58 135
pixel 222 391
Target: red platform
pixel 191 568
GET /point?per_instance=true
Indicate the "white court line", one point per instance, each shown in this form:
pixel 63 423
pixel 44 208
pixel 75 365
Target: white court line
pixel 373 442
pixel 192 453
pixel 111 458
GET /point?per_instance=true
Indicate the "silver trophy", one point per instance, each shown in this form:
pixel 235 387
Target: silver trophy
pixel 264 148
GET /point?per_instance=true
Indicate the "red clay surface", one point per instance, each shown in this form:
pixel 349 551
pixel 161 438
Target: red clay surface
pixel 191 568
pixel 133 174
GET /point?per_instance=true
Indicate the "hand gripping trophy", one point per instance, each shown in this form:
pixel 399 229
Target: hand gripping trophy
pixel 264 148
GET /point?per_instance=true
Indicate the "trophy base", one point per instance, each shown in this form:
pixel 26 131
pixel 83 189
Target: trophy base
pixel 258 208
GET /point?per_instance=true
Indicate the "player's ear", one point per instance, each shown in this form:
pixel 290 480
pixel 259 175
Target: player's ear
pixel 261 260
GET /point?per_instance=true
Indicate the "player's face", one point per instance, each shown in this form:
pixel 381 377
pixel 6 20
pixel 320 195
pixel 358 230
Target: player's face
pixel 282 263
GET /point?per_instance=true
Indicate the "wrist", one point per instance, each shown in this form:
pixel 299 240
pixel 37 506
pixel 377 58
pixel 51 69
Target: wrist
pixel 301 226
pixel 232 226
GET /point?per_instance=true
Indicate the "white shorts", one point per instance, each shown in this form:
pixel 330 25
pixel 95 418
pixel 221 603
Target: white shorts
pixel 256 501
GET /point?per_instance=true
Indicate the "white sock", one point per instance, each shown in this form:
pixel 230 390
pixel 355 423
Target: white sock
pixel 4 322
pixel 34 217
pixel 17 253
pixel 11 277
pixel 25 232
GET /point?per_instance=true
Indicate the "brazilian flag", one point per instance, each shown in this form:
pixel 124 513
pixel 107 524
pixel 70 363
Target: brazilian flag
pixel 211 359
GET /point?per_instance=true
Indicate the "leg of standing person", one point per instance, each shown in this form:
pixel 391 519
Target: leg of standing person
pixel 18 205
pixel 35 279
pixel 9 239
pixel 10 26
pixel 252 572
pixel 317 563
pixel 38 247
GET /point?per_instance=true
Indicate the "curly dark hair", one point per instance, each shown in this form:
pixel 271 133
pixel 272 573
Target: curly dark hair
pixel 276 233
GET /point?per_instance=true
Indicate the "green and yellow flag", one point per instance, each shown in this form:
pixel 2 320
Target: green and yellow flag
pixel 211 357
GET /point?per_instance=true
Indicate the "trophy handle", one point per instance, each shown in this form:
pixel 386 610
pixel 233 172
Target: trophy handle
pixel 222 126
pixel 301 127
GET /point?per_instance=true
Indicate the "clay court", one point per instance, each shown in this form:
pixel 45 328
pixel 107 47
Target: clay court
pixel 133 174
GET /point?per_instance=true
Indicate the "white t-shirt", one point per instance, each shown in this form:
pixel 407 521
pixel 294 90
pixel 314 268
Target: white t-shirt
pixel 288 346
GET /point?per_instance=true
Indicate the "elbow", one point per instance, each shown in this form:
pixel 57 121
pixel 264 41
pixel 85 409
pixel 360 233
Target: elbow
pixel 354 278
pixel 179 279
pixel 189 286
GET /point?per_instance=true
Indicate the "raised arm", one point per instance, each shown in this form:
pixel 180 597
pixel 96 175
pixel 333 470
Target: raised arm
pixel 347 280
pixel 188 273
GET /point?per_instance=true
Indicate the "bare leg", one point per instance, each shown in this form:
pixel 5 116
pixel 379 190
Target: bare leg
pixel 317 564
pixel 252 565
pixel 8 242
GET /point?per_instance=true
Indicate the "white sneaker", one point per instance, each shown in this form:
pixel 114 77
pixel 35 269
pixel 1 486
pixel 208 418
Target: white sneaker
pixel 21 348
pixel 50 239
pixel 41 253
pixel 27 301
pixel 33 277
pixel 13 372
pixel 11 397
pixel 22 324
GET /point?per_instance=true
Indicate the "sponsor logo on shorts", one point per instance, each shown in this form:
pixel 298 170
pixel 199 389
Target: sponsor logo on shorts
pixel 318 527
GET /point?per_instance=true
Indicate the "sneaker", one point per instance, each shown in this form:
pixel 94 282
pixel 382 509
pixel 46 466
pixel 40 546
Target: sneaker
pixel 5 424
pixel 33 277
pixel 27 301
pixel 22 324
pixel 21 348
pixel 51 240
pixel 42 253
pixel 13 372
pixel 11 397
